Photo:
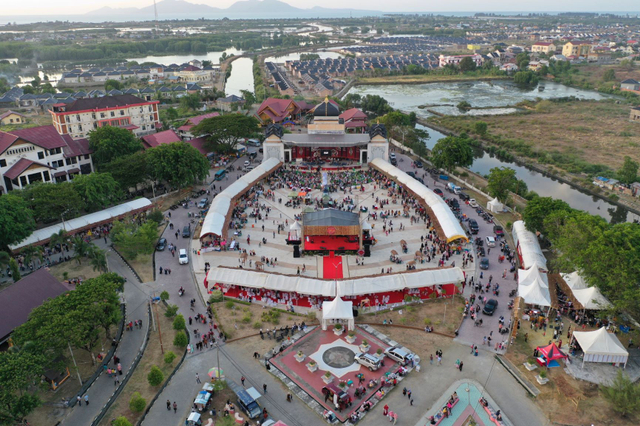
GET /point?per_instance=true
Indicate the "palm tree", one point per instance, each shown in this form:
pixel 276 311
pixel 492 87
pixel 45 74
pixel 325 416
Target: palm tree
pixel 98 259
pixel 59 237
pixel 81 248
pixel 31 253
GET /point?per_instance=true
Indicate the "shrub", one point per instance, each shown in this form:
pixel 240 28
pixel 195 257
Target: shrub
pixel 121 421
pixel 257 325
pixel 216 296
pixel 155 376
pixel 229 304
pixel 164 295
pixel 247 317
pixel 171 312
pixel 379 351
pixel 137 403
pixel 156 216
pixel 338 326
pixel 427 321
pixel 180 340
pixel 169 357
pixel 178 323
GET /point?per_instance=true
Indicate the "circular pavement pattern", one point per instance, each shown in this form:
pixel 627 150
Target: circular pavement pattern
pixel 338 357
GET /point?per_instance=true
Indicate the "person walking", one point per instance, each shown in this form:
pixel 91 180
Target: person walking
pixel 461 364
pixel 264 387
pixel 120 369
pixel 175 407
pixel 79 399
pixel 86 399
pixel 242 379
pixel 198 378
pixel 168 405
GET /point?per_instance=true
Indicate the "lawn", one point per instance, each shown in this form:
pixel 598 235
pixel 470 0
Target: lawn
pixel 138 381
pixel 73 270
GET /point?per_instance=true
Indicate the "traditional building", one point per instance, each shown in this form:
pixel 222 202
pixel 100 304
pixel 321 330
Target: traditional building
pixel 326 140
pixel 543 47
pixel 184 131
pixel 355 121
pixel 79 118
pixel 277 111
pixel 156 139
pixel 40 154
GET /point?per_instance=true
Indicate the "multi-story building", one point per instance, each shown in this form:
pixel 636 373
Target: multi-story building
pixel 543 47
pixel 455 59
pixel 577 49
pixel 41 154
pixel 127 111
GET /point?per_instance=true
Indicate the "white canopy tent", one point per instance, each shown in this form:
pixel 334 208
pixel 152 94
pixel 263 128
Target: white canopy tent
pixel 574 280
pixel 495 206
pixel 601 346
pixel 532 276
pixel 337 310
pixel 533 286
pixel 528 247
pixel 448 222
pixel 589 297
pixel 41 236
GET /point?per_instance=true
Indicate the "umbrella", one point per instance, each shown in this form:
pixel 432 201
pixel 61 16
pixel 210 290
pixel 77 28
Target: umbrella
pixel 403 242
pixel 302 193
pixel 393 252
pixel 215 372
pixel 293 194
pixel 418 253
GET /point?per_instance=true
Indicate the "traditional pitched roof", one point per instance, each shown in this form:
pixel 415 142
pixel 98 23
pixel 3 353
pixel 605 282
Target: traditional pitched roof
pixel 104 102
pixel 46 137
pixel 353 114
pixel 230 99
pixel 194 121
pixel 20 166
pixel 276 109
pixel 199 144
pixel 76 147
pixel 630 81
pixel 8 113
pixel 155 139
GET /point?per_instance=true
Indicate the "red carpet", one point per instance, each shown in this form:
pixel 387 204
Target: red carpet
pixel 329 242
pixel 332 267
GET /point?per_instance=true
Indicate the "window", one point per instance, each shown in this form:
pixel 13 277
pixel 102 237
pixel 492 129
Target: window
pixel 79 127
pixel 144 127
pixel 68 160
pixel 113 114
pixel 40 155
pixel 66 118
pixel 150 108
pixel 47 178
pixel 87 156
pixel 151 118
pixel 3 162
pixel 121 112
pixel 95 125
pixel 152 126
pixel 23 180
pixel 78 117
pixel 102 115
pixel 93 115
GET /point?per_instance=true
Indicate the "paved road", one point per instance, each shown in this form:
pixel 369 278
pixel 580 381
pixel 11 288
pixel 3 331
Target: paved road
pixel 135 297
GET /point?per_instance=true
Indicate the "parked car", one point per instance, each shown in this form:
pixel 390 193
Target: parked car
pixel 473 226
pixel 439 192
pixel 419 164
pixel 463 196
pixel 183 257
pixel 490 307
pixel 203 203
pixel 343 398
pixel 162 244
pixel 457 190
pixel 497 229
pixel 392 155
pixel 473 203
pixel 186 231
pixel 372 362
pixel 413 175
pixel 247 163
pixel 491 242
pixel 393 161
pixel 399 354
pixel 484 263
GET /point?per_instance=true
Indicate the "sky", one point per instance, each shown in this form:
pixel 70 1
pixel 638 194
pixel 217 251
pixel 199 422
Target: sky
pixel 59 7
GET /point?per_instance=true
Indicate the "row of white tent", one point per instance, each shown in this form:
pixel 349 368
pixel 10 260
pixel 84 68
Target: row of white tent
pixel 448 222
pixel 589 297
pixel 216 219
pixel 41 236
pixel 333 288
pixel 528 247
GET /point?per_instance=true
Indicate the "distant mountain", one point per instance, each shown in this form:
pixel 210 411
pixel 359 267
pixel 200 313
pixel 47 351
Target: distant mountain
pixel 248 9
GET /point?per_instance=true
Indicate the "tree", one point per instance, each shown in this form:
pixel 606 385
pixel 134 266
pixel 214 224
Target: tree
pixel 19 369
pixel 463 106
pixel 609 75
pixel 31 253
pixel 59 238
pixel 178 164
pixel 128 171
pixel 112 85
pixel 109 143
pixel 522 60
pixel 526 78
pixel 16 220
pixel 15 270
pixel 81 248
pixel 224 132
pixel 190 102
pixel 180 340
pixel 132 239
pixel 156 216
pixel 480 128
pixel 623 394
pixel 502 180
pixel 98 259
pixel 538 209
pixel 52 203
pixel 467 64
pixel 169 357
pixel 98 190
pixel 164 295
pixel 121 421
pixel 375 104
pixel 452 152
pixel 352 100
pixel 155 376
pixel 628 173
pixel 249 98
pixel 137 403
pixel 179 323
pixel 171 311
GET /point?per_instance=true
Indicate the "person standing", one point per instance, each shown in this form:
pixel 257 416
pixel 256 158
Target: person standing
pixel 175 407
pixel 120 369
pixel 168 405
pixel 242 379
pixel 86 399
pixel 79 399
pixel 461 364
pixel 264 387
pixel 198 378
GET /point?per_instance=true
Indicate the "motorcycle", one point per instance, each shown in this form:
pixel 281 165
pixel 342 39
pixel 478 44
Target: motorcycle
pixel 510 306
pixel 181 292
pixel 513 292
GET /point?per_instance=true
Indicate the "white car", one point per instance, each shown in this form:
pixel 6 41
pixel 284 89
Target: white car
pixel 473 203
pixel 491 242
pixel 247 163
pixel 183 257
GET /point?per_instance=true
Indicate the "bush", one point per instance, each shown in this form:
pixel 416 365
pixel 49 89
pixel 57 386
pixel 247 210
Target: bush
pixel 229 304
pixel 427 321
pixel 180 340
pixel 257 325
pixel 156 216
pixel 169 357
pixel 178 323
pixel 155 376
pixel 171 312
pixel 216 296
pixel 121 421
pixel 164 296
pixel 247 317
pixel 137 403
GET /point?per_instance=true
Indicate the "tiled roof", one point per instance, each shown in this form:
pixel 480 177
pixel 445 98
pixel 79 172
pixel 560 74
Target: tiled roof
pixel 46 137
pixel 197 119
pixel 76 147
pixel 20 166
pixel 352 113
pixel 104 102
pixel 155 139
pixel 199 144
pixel 8 113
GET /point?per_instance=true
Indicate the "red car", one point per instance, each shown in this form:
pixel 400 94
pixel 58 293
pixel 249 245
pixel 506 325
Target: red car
pixel 497 229
pixel 439 192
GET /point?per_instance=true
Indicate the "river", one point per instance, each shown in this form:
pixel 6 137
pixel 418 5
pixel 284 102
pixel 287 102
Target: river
pixel 498 94
pixel 241 77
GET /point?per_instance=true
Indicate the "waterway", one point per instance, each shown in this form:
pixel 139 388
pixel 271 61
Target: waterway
pixel 241 77
pixel 296 56
pixel 498 94
pixel 214 57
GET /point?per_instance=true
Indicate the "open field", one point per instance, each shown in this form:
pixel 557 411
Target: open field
pixel 73 270
pixel 567 133
pixel 593 74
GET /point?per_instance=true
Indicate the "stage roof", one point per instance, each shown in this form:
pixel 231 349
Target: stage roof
pixel 330 217
pixel 326 140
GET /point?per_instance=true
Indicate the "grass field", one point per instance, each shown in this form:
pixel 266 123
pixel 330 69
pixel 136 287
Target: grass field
pixel 73 270
pixel 594 74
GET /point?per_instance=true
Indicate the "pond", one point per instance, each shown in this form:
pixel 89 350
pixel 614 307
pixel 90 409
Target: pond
pixel 296 56
pixel 241 77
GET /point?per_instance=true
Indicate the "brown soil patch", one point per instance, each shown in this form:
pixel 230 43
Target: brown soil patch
pixel 138 381
pixel 143 265
pixel 84 271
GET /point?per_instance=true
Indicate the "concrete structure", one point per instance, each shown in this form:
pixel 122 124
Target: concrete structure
pixel 576 48
pixel 543 47
pixel 127 111
pixel 12 117
pixel 635 115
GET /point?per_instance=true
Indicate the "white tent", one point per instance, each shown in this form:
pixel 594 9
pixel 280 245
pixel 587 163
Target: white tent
pixel 532 276
pixel 495 206
pixel 601 346
pixel 589 297
pixel 528 247
pixel 574 281
pixel 339 311
pixel 535 294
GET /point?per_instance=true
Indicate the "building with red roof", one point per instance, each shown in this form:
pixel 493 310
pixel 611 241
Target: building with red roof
pixel 160 138
pixel 543 47
pixel 277 111
pixel 185 130
pixel 41 154
pixel 354 120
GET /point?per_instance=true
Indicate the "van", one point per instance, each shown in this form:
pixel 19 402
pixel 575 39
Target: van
pixel 183 257
pixel 246 399
pixel 399 354
pixel 370 361
pixel 340 398
pixel 253 142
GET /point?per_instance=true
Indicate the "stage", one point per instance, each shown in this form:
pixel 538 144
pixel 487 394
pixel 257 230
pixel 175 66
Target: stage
pixel 330 243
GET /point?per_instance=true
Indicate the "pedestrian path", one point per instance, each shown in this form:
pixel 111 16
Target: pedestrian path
pixel 136 309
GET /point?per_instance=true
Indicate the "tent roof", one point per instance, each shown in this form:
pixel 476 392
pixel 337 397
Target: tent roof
pixel 529 248
pixel 535 294
pixel 574 280
pixel 551 352
pixel 337 309
pixel 330 217
pixel 599 342
pixel 591 298
pixel 495 202
pixel 532 276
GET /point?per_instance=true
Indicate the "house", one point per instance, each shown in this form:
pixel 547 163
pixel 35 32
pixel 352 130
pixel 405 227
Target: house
pixel 455 59
pixel 630 85
pixel 274 110
pixel 156 139
pixel 635 115
pixel 12 117
pixel 558 58
pixel 41 154
pixel 227 104
pixel 576 48
pixel 84 115
pixel 509 67
pixel 355 121
pixel 19 299
pixel 543 47
pixel 185 130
